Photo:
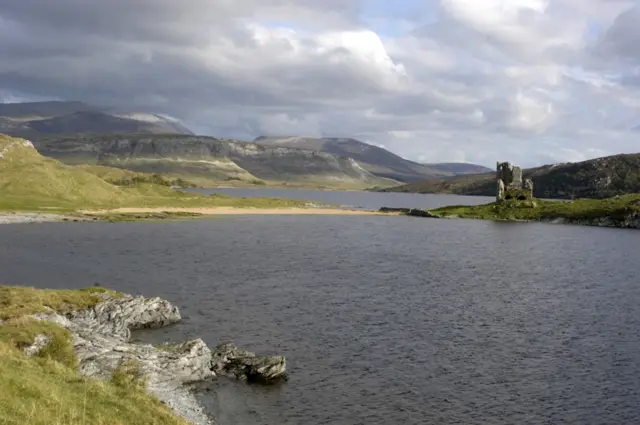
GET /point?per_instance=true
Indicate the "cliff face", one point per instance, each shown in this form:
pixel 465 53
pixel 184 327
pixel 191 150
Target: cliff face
pixel 205 157
pixel 374 159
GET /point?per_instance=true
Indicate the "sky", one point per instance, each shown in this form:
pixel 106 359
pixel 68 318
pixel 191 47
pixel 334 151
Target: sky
pixel 527 81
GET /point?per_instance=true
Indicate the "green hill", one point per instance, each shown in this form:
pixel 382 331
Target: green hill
pixel 595 178
pixel 29 179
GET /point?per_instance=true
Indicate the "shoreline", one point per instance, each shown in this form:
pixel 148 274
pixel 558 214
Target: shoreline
pixel 169 213
pixel 96 328
pixel 631 221
pixel 18 217
pixel 234 211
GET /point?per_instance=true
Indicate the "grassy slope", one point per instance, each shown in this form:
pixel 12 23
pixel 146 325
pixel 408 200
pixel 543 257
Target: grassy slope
pixel 46 389
pixel 29 181
pixel 616 208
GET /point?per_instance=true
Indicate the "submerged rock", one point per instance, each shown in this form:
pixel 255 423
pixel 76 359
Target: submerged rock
pixel 241 364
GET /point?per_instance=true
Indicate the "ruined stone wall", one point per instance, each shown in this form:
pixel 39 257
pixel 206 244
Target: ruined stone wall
pixel 509 183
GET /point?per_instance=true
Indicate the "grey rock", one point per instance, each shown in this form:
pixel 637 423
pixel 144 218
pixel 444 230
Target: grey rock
pixel 500 190
pixel 416 212
pixel 118 316
pixel 241 364
pixel 39 343
pixel 394 210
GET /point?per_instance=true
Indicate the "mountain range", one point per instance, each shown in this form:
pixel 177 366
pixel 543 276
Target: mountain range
pixel 76 132
pixel 37 119
pixel 374 159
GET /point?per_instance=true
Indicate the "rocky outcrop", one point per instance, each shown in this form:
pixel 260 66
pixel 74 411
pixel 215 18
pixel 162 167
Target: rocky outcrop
pixel 101 342
pixel 39 343
pixel 394 210
pixel 416 212
pixel 241 364
pixel 18 143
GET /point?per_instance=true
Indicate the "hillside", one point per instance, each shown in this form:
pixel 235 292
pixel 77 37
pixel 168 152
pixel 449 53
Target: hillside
pixel 34 119
pixel 29 181
pixel 207 160
pixel 459 168
pixel 595 178
pixel 27 178
pixel 374 159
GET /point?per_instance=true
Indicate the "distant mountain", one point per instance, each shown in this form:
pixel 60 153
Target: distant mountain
pixel 596 178
pixel 374 159
pixel 44 118
pixel 34 110
pixel 460 168
pixel 208 159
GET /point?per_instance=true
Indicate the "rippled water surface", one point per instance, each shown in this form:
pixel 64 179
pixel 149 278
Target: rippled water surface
pixel 383 320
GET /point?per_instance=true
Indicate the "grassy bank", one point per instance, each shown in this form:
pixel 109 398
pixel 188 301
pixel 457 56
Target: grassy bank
pixel 46 389
pixel 618 209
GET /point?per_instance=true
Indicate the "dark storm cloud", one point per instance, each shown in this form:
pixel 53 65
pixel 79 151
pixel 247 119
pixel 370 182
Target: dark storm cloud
pixel 485 74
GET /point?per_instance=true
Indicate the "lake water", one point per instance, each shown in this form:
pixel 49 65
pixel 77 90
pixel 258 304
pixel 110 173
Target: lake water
pixel 357 200
pixel 383 320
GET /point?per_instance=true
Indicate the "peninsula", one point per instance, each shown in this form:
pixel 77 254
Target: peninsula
pixel 515 202
pixel 36 188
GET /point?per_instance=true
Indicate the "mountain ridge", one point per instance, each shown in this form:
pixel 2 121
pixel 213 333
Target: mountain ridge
pixel 34 119
pixel 208 158
pixel 377 160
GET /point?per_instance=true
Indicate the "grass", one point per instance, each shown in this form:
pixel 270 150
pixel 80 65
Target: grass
pixel 122 177
pixel 31 182
pixel 115 217
pixel 46 389
pixel 18 301
pixel 617 208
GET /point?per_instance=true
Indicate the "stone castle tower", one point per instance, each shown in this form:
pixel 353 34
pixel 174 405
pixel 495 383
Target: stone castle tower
pixel 510 185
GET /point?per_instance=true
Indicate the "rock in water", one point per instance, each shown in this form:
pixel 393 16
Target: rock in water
pixel 101 342
pixel 241 364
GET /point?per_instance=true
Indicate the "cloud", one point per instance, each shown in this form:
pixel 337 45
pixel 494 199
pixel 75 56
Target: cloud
pixel 529 81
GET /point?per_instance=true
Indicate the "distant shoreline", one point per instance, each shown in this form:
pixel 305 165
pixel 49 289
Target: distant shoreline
pixel 236 211
pixel 147 214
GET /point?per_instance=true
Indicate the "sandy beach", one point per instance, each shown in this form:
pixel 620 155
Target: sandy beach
pixel 237 211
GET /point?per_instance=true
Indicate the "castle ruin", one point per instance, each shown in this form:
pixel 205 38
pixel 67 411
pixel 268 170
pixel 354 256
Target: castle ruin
pixel 510 185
